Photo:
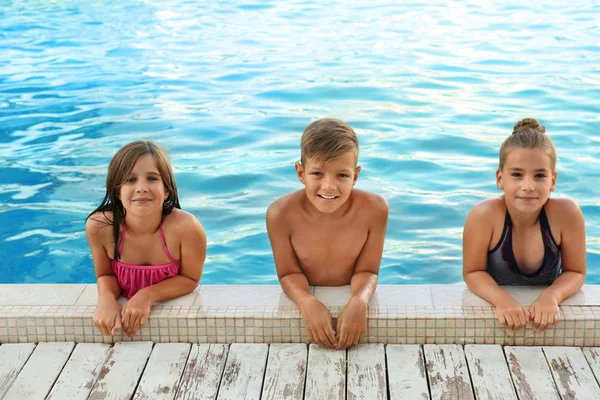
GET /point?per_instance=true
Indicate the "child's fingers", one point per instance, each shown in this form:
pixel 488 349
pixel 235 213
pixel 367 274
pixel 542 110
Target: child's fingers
pixel 510 323
pixel 331 335
pixel 343 342
pixel 117 326
pixel 522 319
pixel 544 322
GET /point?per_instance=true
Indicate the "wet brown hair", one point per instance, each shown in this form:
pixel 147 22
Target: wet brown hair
pixel 528 134
pixel 119 170
pixel 326 139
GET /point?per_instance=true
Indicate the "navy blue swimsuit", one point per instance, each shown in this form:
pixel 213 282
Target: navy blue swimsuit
pixel 502 265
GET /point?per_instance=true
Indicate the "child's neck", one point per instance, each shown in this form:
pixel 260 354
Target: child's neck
pixel 523 220
pixel 143 225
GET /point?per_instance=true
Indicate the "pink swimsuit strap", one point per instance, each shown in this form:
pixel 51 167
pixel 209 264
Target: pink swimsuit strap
pixel 162 238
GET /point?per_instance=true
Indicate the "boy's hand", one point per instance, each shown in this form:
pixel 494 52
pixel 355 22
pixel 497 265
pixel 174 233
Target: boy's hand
pixel 135 313
pixel 318 323
pixel 107 317
pixel 544 313
pixel 512 314
pixel 352 323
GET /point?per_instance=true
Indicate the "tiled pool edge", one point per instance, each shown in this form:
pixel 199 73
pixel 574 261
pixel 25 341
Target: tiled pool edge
pixel 221 314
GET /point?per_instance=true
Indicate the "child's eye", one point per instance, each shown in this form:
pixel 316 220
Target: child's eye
pixel 131 180
pixel 516 175
pixel 317 173
pixel 540 176
pixel 343 175
pixel 152 178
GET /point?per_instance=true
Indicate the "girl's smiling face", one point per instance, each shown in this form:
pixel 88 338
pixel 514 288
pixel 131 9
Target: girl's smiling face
pixel 143 191
pixel 527 178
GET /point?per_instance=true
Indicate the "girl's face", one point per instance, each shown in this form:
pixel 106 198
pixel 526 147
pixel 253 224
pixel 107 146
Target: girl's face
pixel 527 179
pixel 143 192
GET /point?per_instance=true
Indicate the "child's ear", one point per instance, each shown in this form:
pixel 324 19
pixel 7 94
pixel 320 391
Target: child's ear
pixel 300 172
pixel 499 179
pixel 553 187
pixel 356 172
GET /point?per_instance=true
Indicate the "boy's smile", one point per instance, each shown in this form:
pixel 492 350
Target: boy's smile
pixel 328 184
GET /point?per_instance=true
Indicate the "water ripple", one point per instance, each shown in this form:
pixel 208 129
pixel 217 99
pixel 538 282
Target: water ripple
pixel 432 89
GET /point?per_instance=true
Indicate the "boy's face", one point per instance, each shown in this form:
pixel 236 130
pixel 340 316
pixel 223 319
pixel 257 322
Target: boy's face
pixel 328 184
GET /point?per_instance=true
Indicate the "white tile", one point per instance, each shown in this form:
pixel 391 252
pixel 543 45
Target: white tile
pixel 249 296
pixel 401 295
pixel 384 296
pixel 89 297
pixel 455 296
pixel 40 294
pixel 589 295
pixel 333 296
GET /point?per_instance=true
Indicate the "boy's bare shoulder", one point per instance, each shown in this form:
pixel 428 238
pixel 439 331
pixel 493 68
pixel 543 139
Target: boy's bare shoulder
pixel 374 202
pixel 98 223
pixel 285 206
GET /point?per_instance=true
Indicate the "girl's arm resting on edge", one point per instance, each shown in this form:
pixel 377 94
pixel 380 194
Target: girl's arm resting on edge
pixel 193 255
pixel 477 235
pixel 573 253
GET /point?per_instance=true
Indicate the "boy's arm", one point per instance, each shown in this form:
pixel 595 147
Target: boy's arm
pixel 545 311
pixel 477 235
pixel 193 253
pixel 316 317
pixel 352 321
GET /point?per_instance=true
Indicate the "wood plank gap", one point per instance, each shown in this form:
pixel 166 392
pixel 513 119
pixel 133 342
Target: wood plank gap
pixel 205 364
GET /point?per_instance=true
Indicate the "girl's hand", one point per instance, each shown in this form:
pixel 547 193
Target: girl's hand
pixel 135 313
pixel 544 313
pixel 352 323
pixel 107 317
pixel 512 314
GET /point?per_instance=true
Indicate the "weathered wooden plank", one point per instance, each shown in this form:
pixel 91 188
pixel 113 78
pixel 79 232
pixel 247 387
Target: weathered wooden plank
pixel 286 372
pixel 326 374
pixel 489 373
pixel 244 370
pixel 448 373
pixel 406 372
pixel 39 373
pixel 203 372
pixel 366 372
pixel 12 359
pixel 121 371
pixel 592 354
pixel 79 375
pixel 163 372
pixel 572 374
pixel 530 373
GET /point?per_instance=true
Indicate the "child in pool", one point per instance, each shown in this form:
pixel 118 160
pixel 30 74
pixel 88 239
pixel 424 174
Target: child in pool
pixel 329 234
pixel 143 245
pixel 524 237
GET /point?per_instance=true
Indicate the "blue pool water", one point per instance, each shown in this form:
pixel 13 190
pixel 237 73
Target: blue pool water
pixel 432 89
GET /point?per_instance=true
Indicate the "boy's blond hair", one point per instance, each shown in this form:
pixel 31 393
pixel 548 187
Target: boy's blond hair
pixel 326 139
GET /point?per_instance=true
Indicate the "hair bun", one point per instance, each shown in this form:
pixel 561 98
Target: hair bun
pixel 528 124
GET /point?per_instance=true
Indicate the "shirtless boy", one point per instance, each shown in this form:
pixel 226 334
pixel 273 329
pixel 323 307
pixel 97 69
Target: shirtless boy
pixel 329 234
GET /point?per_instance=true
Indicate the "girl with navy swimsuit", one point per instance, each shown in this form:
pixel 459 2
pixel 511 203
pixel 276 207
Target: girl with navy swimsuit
pixel 524 237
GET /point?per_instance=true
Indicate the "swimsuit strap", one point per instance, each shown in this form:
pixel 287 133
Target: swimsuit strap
pixel 164 242
pixel 122 239
pixel 544 220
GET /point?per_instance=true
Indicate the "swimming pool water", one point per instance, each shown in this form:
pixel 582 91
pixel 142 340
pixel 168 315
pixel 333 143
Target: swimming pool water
pixel 432 89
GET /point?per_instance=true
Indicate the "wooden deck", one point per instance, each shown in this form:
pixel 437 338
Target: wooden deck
pixel 141 370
